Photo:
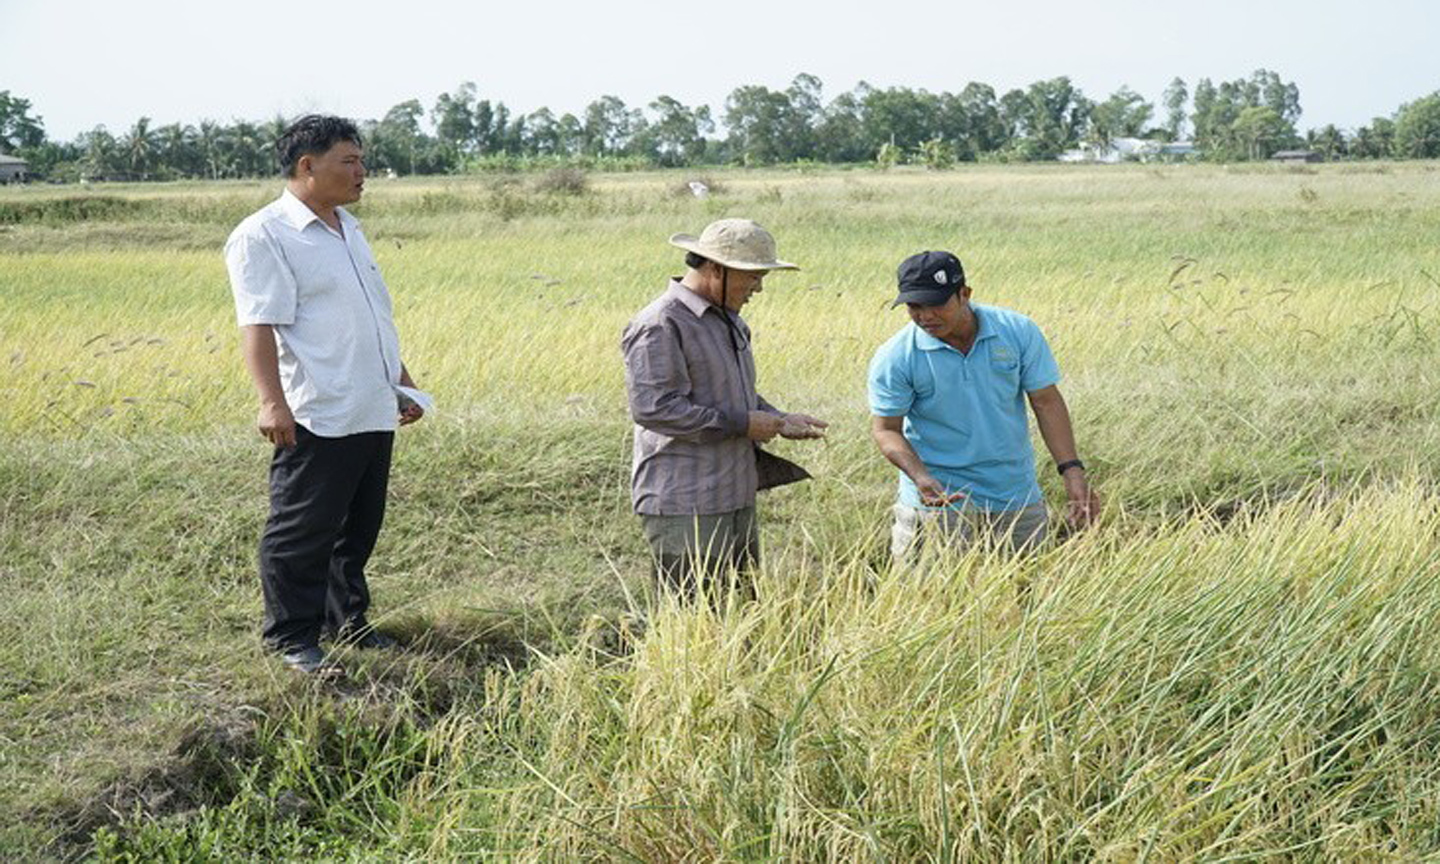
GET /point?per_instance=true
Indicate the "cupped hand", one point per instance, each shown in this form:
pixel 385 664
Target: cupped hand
pixel 799 426
pixel 1083 508
pixel 934 494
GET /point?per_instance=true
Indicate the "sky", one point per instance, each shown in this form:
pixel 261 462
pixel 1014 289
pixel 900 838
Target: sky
pixel 83 63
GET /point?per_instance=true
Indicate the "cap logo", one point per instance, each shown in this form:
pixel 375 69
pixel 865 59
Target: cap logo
pixel 941 278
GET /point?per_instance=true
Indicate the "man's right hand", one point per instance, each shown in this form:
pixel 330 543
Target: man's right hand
pixel 764 425
pixel 933 494
pixel 277 424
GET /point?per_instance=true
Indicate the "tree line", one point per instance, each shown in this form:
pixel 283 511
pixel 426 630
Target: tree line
pixel 1244 119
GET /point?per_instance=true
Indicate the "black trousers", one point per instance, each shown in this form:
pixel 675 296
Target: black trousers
pixel 327 502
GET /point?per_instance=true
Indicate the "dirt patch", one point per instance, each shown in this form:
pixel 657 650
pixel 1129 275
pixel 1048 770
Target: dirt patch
pixel 389 699
pixel 201 770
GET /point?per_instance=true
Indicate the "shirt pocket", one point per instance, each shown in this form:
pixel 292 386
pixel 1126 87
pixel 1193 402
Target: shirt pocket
pixel 1004 383
pixel 709 377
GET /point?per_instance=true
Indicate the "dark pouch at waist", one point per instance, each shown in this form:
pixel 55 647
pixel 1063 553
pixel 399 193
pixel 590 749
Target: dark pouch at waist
pixel 772 470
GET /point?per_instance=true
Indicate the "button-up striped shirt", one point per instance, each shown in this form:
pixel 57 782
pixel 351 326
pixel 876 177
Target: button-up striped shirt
pixel 691 389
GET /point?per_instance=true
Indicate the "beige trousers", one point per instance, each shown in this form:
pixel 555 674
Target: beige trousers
pixel 1020 530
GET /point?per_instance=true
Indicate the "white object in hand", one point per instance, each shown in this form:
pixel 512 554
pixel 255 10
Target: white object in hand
pixel 408 395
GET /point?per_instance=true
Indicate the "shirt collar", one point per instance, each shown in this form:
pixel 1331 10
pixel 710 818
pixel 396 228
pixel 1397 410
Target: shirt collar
pixel 299 215
pixel 296 213
pixel 692 301
pixel 925 342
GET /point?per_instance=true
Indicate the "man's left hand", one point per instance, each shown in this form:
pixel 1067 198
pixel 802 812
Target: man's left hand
pixel 1083 508
pixel 799 426
pixel 410 413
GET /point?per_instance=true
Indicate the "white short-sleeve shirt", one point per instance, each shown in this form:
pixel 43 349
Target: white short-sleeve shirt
pixel 322 293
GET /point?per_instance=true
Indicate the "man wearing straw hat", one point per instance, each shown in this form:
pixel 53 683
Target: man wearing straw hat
pixel 947 399
pixel 690 378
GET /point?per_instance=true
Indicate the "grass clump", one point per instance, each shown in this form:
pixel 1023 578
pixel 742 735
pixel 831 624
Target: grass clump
pixel 563 181
pixel 75 208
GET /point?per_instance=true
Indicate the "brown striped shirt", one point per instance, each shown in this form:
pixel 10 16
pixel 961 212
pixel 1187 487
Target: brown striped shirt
pixel 691 393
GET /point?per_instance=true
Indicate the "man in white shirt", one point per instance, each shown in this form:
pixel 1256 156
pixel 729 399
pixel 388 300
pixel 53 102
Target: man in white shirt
pixel 320 345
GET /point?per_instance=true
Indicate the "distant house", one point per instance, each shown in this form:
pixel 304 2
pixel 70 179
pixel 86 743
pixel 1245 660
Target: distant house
pixel 1116 150
pixel 1131 150
pixel 1297 156
pixel 12 169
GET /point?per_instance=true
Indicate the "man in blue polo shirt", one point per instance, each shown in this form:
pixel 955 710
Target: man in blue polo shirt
pixel 947 395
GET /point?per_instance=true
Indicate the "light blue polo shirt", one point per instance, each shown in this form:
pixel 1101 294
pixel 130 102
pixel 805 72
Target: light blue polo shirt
pixel 966 415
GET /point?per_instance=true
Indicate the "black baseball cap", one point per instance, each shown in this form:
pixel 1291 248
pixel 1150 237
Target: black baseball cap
pixel 929 278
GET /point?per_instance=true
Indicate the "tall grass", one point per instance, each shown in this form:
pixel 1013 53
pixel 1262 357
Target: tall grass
pixel 1185 691
pixel 1233 665
pixel 1256 688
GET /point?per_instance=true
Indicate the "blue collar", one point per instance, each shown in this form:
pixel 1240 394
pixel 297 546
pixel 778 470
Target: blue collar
pixel 925 342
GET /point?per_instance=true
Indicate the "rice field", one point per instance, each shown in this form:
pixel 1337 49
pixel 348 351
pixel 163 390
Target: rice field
pixel 1233 666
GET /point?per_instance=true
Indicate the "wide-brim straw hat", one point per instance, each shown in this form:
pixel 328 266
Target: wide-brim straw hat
pixel 736 243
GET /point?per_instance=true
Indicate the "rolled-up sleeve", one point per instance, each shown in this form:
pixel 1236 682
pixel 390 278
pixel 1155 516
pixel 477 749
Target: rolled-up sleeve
pixel 264 288
pixel 659 390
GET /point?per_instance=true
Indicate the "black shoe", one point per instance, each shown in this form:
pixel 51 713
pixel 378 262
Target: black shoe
pixel 369 638
pixel 311 661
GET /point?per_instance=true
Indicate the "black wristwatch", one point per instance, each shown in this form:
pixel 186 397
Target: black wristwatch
pixel 1068 464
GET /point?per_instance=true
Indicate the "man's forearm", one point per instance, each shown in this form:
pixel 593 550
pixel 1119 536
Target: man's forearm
pixel 262 361
pixel 1053 418
pixel 897 449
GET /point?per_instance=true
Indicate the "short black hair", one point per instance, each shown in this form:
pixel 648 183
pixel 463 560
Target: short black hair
pixel 312 135
pixel 695 261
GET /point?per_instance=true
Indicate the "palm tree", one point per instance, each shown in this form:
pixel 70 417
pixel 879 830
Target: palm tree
pixel 247 147
pixel 210 139
pixel 138 146
pixel 179 153
pixel 270 133
pixel 102 156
